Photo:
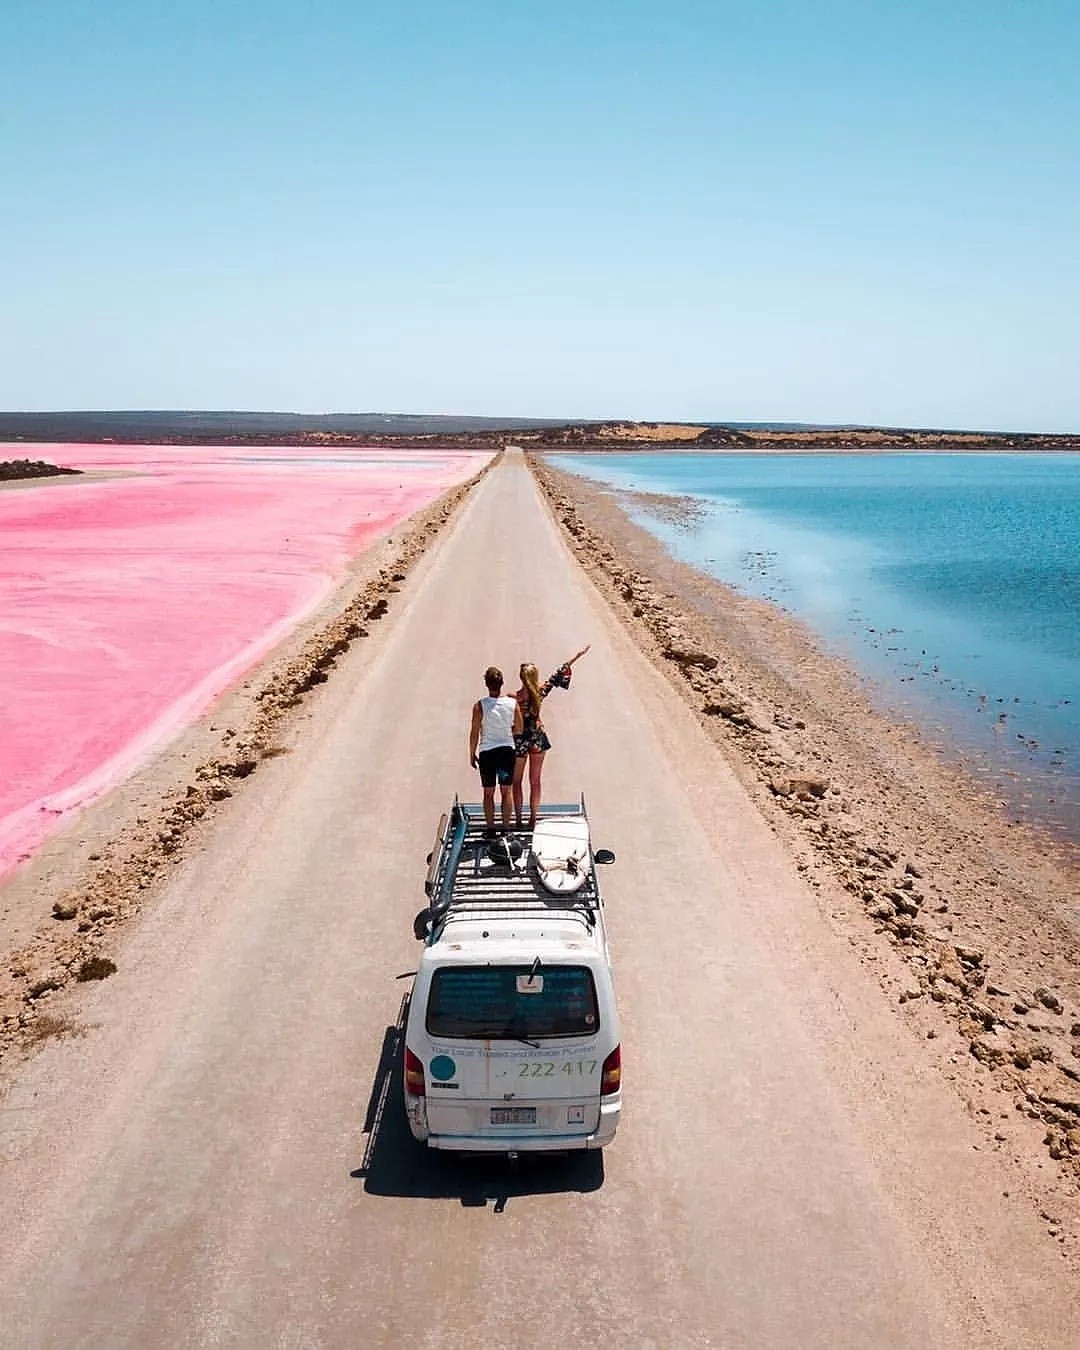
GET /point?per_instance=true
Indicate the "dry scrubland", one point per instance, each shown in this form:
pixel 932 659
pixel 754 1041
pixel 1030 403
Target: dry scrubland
pixel 908 857
pixel 652 436
pixel 402 432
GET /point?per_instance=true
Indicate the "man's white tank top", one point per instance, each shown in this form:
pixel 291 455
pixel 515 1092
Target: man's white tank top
pixel 497 727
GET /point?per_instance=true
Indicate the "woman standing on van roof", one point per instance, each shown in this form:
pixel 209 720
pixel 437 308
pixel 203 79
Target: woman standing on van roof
pixel 532 742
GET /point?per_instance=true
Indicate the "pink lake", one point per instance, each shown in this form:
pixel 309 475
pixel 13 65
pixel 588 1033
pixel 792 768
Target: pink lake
pixel 129 603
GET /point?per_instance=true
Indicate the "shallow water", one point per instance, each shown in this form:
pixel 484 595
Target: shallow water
pixel 951 581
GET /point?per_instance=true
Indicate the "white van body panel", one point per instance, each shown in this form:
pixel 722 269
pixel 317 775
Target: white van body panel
pixel 539 1091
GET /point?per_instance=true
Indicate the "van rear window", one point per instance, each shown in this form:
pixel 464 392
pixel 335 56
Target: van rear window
pixel 512 1002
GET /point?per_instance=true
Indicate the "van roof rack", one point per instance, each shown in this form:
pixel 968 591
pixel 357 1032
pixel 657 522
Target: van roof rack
pixel 464 880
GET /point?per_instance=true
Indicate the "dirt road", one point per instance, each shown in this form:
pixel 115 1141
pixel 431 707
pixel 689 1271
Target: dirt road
pixel 221 1158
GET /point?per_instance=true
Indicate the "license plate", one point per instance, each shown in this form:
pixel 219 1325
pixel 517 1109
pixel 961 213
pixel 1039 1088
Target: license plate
pixel 513 1115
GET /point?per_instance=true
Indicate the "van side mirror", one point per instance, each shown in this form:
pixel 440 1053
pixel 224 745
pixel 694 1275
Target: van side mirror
pixel 603 855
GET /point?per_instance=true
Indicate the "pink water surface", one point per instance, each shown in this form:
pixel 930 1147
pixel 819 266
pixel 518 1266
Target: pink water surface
pixel 129 603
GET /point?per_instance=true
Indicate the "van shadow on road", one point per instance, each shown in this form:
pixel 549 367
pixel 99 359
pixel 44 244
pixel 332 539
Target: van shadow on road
pixel 394 1164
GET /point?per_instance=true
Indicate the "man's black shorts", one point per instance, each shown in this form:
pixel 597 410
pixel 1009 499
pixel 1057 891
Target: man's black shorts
pixel 496 766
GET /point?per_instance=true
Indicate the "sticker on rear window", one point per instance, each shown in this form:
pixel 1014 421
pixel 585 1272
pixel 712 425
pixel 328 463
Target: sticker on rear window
pixel 530 984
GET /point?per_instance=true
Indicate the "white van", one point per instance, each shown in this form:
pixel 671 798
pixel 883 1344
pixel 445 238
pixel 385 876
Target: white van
pixel 512 1037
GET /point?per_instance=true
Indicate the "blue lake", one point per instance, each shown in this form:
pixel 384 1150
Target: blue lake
pixel 952 582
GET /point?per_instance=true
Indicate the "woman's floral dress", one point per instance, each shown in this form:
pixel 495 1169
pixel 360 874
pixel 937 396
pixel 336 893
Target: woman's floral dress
pixel 533 735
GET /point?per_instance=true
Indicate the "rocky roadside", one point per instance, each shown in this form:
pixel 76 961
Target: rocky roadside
pixel 78 944
pixel 904 853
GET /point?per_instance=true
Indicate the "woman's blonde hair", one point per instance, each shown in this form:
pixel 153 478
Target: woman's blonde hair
pixel 530 678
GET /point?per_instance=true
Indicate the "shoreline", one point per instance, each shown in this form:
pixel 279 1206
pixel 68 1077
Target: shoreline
pixel 798 451
pixel 31 470
pixel 63 910
pixel 203 563
pixel 1029 791
pixel 904 849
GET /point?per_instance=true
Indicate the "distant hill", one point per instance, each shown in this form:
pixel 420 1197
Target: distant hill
pixel 209 426
pixel 535 433
pixel 779 436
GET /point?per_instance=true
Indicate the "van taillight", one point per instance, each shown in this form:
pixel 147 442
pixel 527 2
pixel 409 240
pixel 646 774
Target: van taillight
pixel 611 1074
pixel 414 1074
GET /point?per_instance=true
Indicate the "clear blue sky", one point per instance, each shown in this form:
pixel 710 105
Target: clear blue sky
pixel 767 210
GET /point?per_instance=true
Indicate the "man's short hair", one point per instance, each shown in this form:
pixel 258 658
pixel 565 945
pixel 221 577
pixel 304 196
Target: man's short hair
pixel 493 677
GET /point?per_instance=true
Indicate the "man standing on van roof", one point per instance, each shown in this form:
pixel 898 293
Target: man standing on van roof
pixel 495 722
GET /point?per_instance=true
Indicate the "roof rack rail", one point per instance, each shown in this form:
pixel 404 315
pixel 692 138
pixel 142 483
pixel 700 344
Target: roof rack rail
pixel 466 877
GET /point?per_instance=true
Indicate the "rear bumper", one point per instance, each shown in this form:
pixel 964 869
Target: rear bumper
pixel 548 1142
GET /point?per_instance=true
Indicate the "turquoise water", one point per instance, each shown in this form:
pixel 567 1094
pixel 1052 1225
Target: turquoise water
pixel 951 581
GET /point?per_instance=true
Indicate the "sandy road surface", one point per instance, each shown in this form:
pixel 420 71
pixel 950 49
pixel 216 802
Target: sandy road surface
pixel 208 1164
